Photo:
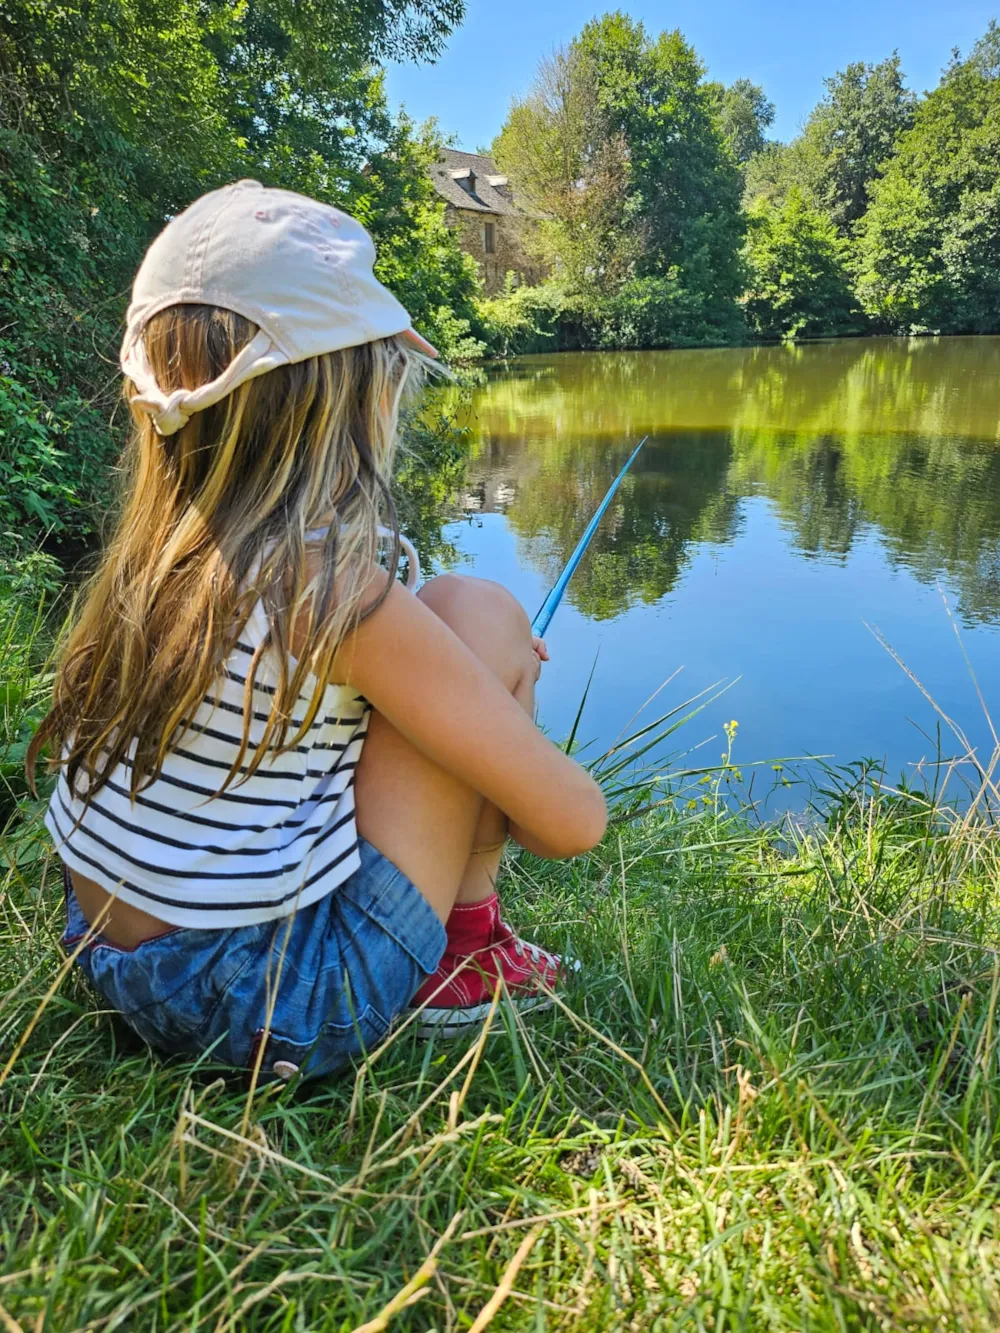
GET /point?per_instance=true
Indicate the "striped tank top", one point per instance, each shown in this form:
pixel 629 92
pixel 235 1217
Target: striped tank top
pixel 277 841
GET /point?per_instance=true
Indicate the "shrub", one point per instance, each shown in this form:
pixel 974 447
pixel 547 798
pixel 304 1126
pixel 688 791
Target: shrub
pixel 798 278
pixel 523 319
pixel 657 312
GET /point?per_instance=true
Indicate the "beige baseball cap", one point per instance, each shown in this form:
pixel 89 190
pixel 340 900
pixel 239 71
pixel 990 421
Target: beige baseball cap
pixel 300 270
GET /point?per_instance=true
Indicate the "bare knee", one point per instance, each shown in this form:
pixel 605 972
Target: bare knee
pixel 487 618
pixel 458 597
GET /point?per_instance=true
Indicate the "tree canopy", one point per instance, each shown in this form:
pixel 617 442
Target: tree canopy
pixel 620 149
pixel 113 115
pixel 882 215
pixel 798 265
pixel 745 115
pixel 851 132
pixel 929 245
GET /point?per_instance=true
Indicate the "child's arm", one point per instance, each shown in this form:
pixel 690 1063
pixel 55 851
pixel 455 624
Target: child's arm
pixel 435 691
pixel 519 835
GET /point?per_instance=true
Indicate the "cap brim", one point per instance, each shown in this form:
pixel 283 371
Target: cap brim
pixel 421 344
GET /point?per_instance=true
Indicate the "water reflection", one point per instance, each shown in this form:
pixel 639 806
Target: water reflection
pixel 846 440
pixel 430 467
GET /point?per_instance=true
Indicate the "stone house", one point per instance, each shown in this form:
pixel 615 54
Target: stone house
pixel 481 208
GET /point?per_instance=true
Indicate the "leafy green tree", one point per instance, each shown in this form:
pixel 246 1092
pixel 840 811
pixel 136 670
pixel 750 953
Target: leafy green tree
pixel 781 167
pixel 929 244
pixel 745 115
pixel 799 283
pixel 901 279
pixel 300 89
pixel 683 189
pixel 573 171
pixel 418 255
pixel 855 129
pixel 113 115
pixel 523 319
pixel 848 137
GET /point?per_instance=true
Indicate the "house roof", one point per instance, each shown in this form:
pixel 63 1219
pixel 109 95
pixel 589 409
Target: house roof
pixel 453 166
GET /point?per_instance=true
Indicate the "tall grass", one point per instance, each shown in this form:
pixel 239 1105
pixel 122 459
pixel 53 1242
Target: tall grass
pixel 769 1100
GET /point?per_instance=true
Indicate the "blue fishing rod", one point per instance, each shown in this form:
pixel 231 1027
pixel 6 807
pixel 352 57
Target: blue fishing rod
pixel 548 608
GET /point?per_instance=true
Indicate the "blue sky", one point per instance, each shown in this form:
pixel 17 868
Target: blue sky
pixel 788 46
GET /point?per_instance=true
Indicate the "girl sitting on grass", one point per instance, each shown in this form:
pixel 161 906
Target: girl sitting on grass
pixel 285 780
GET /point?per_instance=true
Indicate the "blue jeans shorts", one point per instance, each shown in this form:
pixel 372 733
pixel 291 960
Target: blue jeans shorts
pixel 344 966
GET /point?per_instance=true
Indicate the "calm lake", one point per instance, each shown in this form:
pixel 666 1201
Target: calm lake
pixel 790 502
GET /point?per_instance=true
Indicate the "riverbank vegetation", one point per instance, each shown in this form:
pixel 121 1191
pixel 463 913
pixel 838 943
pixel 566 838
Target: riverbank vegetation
pixel 114 116
pixel 668 219
pixel 770 1099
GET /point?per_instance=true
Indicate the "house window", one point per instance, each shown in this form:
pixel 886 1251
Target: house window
pixel 489 238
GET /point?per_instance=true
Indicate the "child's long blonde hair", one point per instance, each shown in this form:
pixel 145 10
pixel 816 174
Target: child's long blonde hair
pixel 215 518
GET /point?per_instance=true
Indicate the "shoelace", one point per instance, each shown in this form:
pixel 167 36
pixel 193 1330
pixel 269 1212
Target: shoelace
pixel 534 951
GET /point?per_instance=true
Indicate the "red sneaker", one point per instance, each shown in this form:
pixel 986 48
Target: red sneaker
pixel 481 947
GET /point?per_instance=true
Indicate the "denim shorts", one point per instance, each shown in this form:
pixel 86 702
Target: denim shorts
pixel 344 967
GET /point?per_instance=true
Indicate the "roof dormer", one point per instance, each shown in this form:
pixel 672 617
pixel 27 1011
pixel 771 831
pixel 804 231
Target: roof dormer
pixel 466 178
pixel 502 186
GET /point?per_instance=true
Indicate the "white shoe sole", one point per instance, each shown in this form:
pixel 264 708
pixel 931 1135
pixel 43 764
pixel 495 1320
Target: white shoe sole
pixel 452 1022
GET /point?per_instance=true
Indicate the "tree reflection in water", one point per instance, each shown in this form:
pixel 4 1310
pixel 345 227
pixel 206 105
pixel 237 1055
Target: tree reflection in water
pixel 891 435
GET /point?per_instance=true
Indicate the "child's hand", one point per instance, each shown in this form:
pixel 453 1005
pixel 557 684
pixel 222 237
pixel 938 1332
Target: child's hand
pixel 541 653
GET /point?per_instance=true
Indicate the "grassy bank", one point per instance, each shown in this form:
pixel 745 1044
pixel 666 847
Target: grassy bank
pixel 769 1101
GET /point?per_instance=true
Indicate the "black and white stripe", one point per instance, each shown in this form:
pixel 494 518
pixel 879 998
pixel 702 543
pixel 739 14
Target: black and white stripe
pixel 272 840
